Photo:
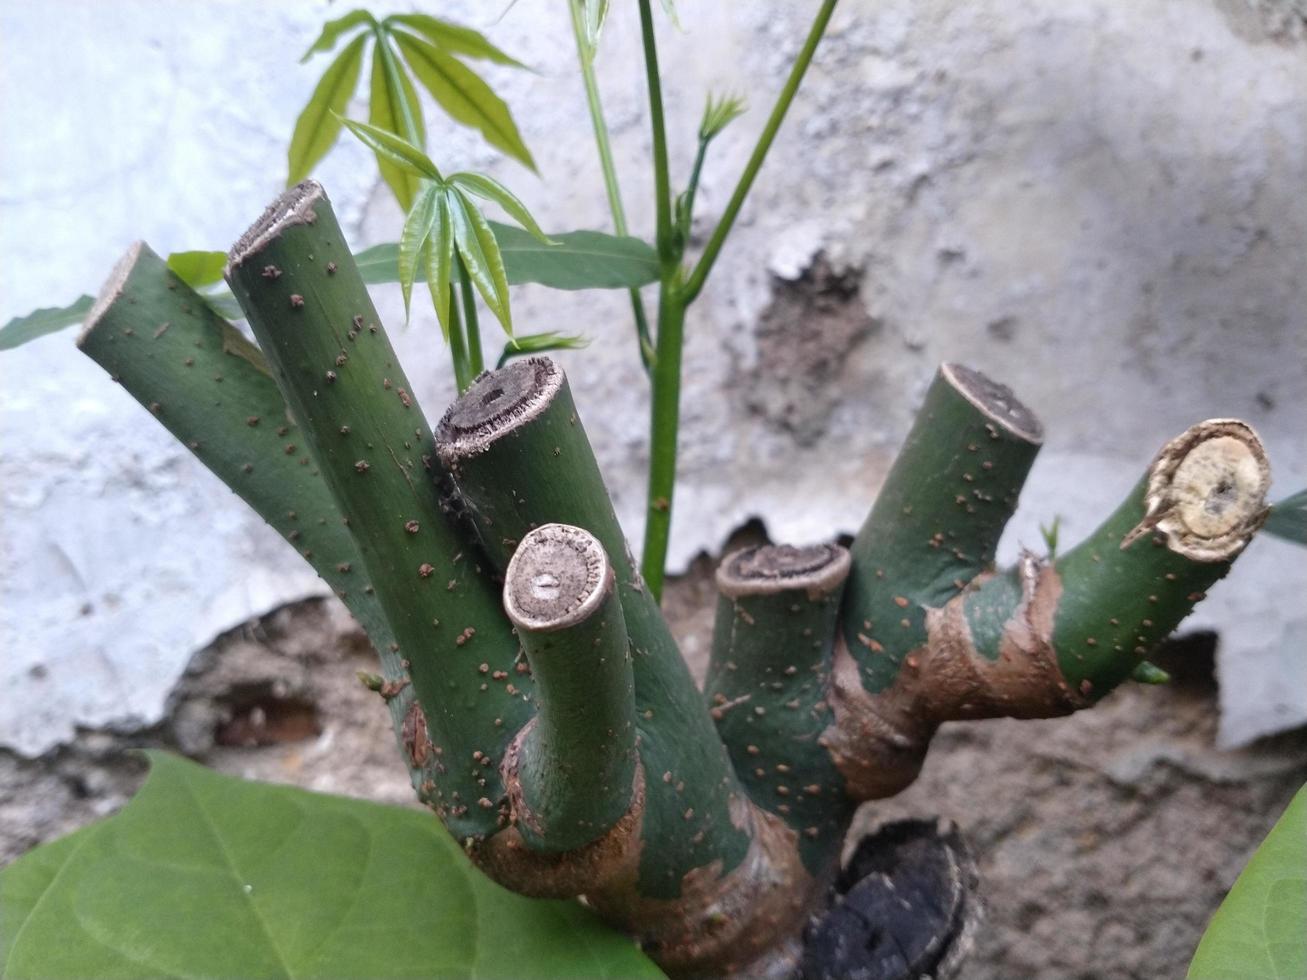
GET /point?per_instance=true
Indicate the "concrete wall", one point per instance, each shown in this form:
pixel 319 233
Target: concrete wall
pixel 1101 203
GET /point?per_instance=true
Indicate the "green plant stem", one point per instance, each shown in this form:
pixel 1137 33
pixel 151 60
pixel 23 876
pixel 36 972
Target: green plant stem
pixel 693 187
pixel 662 181
pixel 305 301
pixel 664 424
pixel 475 362
pixel 210 387
pixel 575 764
pixel 585 60
pixel 457 346
pixel 700 274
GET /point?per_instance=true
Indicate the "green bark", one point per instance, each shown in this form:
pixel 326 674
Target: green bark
pixel 209 386
pixel 298 285
pixel 937 520
pixel 768 681
pixel 520 458
pixel 1132 581
pixel 577 761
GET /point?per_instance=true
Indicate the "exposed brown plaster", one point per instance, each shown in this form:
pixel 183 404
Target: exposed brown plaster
pixel 879 741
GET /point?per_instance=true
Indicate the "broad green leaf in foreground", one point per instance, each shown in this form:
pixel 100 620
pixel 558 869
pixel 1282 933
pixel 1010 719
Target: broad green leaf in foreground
pixel 1288 518
pixel 206 875
pixel 1260 930
pixel 580 260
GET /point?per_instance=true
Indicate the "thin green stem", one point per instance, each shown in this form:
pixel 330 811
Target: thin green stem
pixel 693 187
pixel 664 422
pixel 585 58
pixel 662 182
pixel 695 283
pixel 457 346
pixel 475 362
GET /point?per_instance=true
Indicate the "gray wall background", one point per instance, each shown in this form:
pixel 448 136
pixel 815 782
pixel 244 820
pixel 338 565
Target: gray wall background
pixel 1102 203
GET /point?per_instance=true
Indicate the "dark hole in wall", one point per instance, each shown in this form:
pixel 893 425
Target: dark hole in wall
pixel 258 715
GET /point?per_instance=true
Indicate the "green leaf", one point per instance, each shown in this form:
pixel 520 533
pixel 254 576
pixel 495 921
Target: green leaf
pixel 318 125
pixel 1050 533
pixel 479 252
pixel 593 13
pixel 404 155
pixel 1259 930
pixel 538 343
pixel 394 107
pixel 492 190
pixel 440 262
pixel 205 875
pixel 580 260
pixel 720 113
pixel 1288 518
pixel 198 269
pixel 333 29
pixel 417 227
pixel 46 320
pixel 463 94
pixel 455 39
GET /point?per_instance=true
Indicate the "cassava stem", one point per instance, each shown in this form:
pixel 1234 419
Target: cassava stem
pixel 209 386
pixel 298 285
pixel 575 762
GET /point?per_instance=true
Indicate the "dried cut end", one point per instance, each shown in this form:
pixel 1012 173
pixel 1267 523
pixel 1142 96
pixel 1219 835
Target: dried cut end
pixel 767 569
pixel 1207 491
pixel 557 578
pixel 112 288
pixel 497 403
pixel 996 401
pixel 294 207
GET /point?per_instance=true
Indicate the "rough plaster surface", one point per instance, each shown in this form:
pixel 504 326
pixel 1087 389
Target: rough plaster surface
pixel 1099 203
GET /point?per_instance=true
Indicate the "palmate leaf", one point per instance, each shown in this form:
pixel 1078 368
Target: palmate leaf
pixel 333 29
pixel 479 253
pixel 1260 930
pixel 1288 518
pixel 718 113
pixel 400 153
pixel 394 107
pixel 440 261
pixel 417 228
pixel 205 875
pixel 492 190
pixel 455 39
pixel 464 95
pixel 318 125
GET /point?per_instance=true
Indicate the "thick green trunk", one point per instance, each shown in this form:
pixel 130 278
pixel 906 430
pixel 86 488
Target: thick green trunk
pixel 768 682
pixel 575 763
pixel 210 387
pixel 297 283
pixel 520 458
pixel 937 520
